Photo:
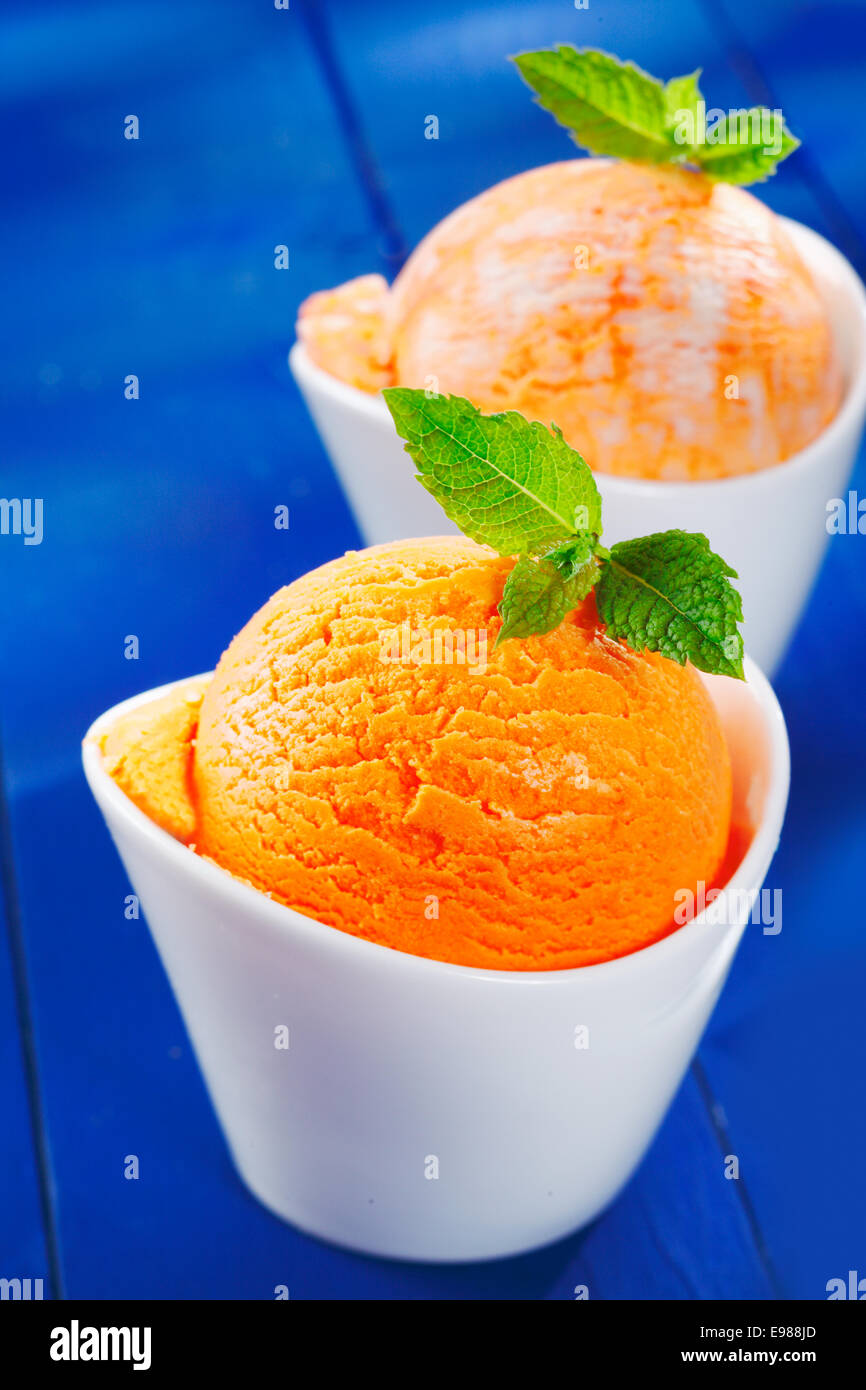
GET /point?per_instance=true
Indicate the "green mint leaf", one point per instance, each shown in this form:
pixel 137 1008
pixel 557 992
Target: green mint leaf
pixel 540 591
pixel 744 146
pixel 519 488
pixel 506 483
pixel 670 593
pixel 614 108
pixel 609 107
pixel 682 94
pixel 684 113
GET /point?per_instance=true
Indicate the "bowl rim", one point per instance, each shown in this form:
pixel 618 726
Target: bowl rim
pixel 248 898
pixel 815 250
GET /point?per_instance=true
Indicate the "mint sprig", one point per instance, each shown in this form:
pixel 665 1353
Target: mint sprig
pixel 747 147
pixel 506 483
pixel 519 488
pixel 609 107
pixel 669 592
pixel 682 94
pixel 614 108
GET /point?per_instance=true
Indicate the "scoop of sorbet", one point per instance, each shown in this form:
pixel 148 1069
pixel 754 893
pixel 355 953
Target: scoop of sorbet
pixel 666 323
pixel 365 756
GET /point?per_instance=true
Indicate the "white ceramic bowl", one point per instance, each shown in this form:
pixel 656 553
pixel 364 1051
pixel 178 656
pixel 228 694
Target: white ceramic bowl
pixel 398 1066
pixel 771 526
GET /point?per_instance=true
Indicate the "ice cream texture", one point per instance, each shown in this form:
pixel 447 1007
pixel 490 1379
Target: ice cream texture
pixel 536 810
pixel 666 323
pixel 148 752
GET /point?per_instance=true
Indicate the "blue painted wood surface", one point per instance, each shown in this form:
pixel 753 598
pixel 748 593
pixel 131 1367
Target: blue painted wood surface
pixel 155 257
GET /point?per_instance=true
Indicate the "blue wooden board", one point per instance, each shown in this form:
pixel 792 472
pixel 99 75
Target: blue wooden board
pixel 261 127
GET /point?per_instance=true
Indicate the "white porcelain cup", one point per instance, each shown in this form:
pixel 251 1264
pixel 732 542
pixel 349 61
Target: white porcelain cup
pixel 770 526
pixel 431 1111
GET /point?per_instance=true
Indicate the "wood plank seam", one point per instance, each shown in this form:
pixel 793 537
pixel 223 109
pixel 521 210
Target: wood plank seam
pixel 24 1021
pixel 719 1127
pixel 391 243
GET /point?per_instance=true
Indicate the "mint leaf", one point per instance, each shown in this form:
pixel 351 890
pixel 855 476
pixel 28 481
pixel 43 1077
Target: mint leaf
pixel 684 113
pixel 745 146
pixel 540 591
pixel 682 94
pixel 515 486
pixel 519 488
pixel 670 593
pixel 609 107
pixel 614 108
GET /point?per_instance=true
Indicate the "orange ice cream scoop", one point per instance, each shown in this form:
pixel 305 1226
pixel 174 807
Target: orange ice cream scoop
pixel 344 331
pixel 149 752
pixel 664 322
pixel 365 756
